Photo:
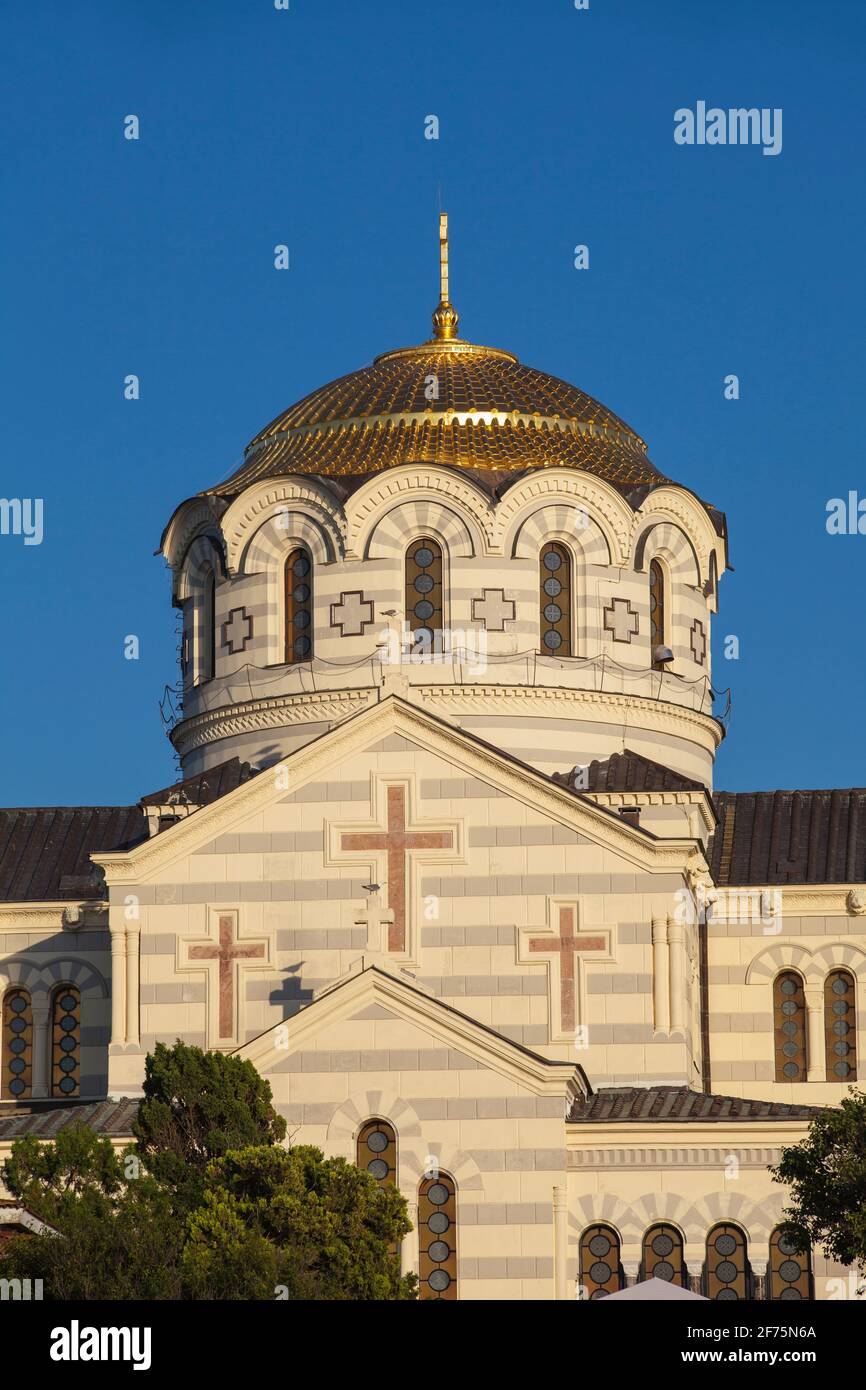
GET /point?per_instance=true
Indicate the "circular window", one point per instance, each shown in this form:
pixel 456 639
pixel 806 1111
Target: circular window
pixel 439 1280
pixel 423 583
pixel 726 1295
pixel 67 1085
pixel 552 612
pixel 377 1141
pixel 439 1251
pixel 552 560
pixel 789 1007
pixel 600 1272
pixel 438 1223
pixel 840 1007
pixel 599 1246
pixel 438 1193
pixel 726 1244
pixel 789 1029
pixel 67 1064
pixel 841 1049
pixel 301 593
pixel 423 609
pixel 301 646
pixel 552 587
pixel 786 1245
pixel 68 1002
pixel 790 1294
pixel 788 987
pixel 423 636
pixel 301 567
pixel 841 1068
pixel 789 1271
pixel 790 1069
pixel 19 1045
pixel 68 1023
pixel 726 1271
pixel 840 1027
pixel 16 1087
pixel 17 1065
pixel 67 1044
pixel 662 1245
pixel 552 639
pixel 423 556
pixel 19 1004
pixel 839 986
pixel 378 1169
pixel 663 1270
pixel 301 619
pixel 18 1025
pixel 790 1049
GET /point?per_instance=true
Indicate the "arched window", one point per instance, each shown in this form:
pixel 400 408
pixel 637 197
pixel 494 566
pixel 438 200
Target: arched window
pixel 207 669
pixel 437 1237
pixel 600 1268
pixel 789 1026
pixel 663 1255
pixel 424 593
pixel 17 1057
pixel 555 600
pixel 726 1274
pixel 299 606
pixel 840 1026
pixel 377 1151
pixel 790 1274
pixel 658 611
pixel 66 1042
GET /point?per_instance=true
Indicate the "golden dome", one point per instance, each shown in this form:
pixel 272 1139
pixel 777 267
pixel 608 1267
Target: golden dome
pixel 445 402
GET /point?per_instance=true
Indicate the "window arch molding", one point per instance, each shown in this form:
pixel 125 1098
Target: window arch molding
pixel 840 1025
pixel 663 1254
pixel 298 606
pixel 601 1271
pixel 789 1274
pixel 437 1237
pixel 425 592
pixel 16 1043
pixel 65 1041
pixel 376 1151
pixel 727 1273
pixel 790 1027
pixel 558 606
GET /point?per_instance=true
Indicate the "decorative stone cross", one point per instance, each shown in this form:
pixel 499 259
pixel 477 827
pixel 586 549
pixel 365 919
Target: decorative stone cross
pixel 622 620
pixel 376 919
pixel 237 630
pixel 699 642
pixel 493 609
pixel 226 960
pixel 352 614
pixel 397 841
pixel 566 949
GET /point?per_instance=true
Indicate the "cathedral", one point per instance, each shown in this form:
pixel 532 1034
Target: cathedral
pixel 445 860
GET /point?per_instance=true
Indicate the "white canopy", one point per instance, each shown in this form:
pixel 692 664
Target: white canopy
pixel 654 1289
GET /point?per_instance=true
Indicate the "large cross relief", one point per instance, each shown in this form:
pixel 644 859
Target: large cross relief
pixel 569 947
pixel 225 957
pixel 396 846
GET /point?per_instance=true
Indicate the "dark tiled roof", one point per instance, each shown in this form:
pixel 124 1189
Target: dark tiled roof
pixel 612 1104
pixel 790 837
pixel 45 850
pixel 629 772
pixel 112 1118
pixel 204 788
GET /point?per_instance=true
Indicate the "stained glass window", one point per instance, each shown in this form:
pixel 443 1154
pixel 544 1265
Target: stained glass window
pixel 663 1255
pixel 790 1274
pixel 726 1273
pixel 437 1238
pixel 66 1042
pixel 600 1269
pixel 555 597
pixel 840 1026
pixel 299 606
pixel 789 1026
pixel 17 1058
pixel 658 613
pixel 208 629
pixel 377 1151
pixel 424 593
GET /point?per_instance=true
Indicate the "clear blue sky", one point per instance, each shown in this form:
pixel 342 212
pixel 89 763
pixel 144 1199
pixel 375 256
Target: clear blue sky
pixel 306 127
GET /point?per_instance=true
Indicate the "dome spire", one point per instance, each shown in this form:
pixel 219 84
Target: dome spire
pixel 445 319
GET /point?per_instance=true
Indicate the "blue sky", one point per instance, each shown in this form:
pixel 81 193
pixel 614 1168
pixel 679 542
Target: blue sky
pixel 306 127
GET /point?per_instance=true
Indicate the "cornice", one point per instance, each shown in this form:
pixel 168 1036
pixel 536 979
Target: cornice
pixel 49 916
pixel 719 1136
pixel 270 712
pixel 638 1157
pixel 806 899
pixel 312 761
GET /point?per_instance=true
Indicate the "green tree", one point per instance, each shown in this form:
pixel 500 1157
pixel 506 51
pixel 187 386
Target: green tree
pixel 197 1106
pixel 319 1227
pixel 826 1173
pixel 118 1234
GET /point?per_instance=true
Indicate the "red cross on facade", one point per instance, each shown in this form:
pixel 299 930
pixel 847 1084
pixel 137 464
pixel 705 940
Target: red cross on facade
pixel 227 953
pixel 566 947
pixel 396 841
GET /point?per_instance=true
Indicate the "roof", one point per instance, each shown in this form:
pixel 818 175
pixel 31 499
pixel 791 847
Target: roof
pixel 111 1118
pixel 45 850
pixel 628 772
pixel 661 1104
pixel 790 837
pixel 204 788
pixel 490 412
